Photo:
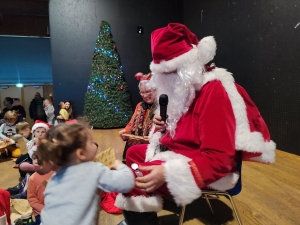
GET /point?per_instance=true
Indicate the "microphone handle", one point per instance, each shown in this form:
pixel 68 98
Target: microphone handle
pixel 163 112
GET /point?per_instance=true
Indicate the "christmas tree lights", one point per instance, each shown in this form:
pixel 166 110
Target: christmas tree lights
pixel 107 100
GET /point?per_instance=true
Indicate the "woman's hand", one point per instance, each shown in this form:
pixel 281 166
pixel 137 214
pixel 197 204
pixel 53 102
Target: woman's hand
pixel 146 139
pixel 153 180
pixel 121 132
pixel 160 125
pixel 59 117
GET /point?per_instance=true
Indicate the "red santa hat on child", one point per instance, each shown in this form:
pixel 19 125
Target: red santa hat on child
pixel 175 46
pixel 40 124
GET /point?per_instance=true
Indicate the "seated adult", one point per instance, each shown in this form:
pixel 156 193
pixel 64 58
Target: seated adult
pixel 210 118
pixel 141 120
pixel 8 103
pixel 19 109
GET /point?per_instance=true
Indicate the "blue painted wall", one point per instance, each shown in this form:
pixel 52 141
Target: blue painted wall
pixel 25 60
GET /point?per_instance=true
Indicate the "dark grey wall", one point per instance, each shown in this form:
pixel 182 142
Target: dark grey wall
pixel 258 41
pixel 74 27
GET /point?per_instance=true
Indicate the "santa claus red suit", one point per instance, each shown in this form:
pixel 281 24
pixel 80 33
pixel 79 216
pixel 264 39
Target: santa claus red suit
pixel 210 119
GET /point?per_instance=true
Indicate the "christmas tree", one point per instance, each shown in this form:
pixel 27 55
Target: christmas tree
pixel 107 100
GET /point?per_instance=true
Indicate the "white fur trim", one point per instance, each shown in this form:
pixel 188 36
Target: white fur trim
pixel 178 62
pixel 153 147
pixel 139 203
pixel 207 49
pixel 225 183
pixel 179 178
pixel 39 125
pixel 245 139
pixel 204 52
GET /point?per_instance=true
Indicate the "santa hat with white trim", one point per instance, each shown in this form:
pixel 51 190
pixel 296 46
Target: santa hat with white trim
pixel 40 124
pixel 175 46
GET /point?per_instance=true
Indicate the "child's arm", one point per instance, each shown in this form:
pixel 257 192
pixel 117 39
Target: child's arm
pixel 115 165
pixel 31 146
pixel 51 109
pixel 2 136
pixel 119 180
pixel 46 111
pixel 32 196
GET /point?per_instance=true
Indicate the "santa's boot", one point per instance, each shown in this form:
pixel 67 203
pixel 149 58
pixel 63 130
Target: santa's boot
pixel 138 218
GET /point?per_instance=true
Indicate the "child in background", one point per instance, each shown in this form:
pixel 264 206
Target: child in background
pixel 67 199
pixel 20 190
pixel 7 131
pixel 39 131
pixel 36 187
pixel 23 128
pixel 63 113
pixel 49 111
pixel 26 168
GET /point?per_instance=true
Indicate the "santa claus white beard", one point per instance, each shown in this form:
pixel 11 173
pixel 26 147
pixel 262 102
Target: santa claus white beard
pixel 180 88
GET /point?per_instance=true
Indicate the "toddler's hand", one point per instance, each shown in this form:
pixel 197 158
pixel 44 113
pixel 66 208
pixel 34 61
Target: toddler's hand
pixel 116 163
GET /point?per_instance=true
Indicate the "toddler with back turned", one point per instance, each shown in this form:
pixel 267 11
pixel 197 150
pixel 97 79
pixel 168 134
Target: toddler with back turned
pixel 73 189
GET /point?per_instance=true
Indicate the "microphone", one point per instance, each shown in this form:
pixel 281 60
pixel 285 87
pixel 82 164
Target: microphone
pixel 163 102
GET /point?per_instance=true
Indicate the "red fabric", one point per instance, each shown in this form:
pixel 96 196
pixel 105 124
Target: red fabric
pixel 72 121
pixel 257 123
pixel 140 76
pixel 206 134
pixel 172 41
pixel 42 122
pixel 136 154
pixel 35 193
pixel 108 202
pixel 5 204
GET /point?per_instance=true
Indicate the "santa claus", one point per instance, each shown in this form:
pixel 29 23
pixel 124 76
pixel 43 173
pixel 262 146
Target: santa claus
pixel 210 119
